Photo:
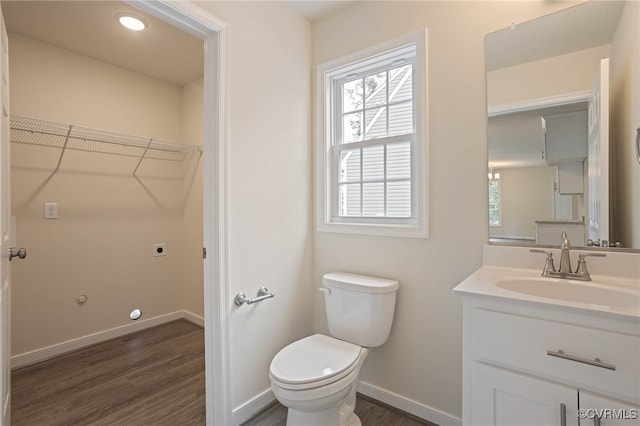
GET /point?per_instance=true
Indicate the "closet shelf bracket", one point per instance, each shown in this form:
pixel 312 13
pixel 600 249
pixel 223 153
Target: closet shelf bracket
pixel 64 148
pixel 142 157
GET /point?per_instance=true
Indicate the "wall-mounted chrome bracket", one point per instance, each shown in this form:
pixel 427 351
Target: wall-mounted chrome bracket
pixel 263 294
pixel 19 253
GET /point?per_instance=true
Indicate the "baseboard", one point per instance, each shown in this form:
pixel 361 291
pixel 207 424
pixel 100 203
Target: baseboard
pixel 410 406
pixel 252 407
pixel 258 403
pixel 193 318
pixel 47 352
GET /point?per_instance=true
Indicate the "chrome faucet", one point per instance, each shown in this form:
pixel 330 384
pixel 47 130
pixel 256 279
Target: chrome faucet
pixel 565 259
pixel 565 270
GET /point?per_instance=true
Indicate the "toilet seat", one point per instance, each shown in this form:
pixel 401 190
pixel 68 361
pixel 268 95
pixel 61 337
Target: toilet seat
pixel 313 361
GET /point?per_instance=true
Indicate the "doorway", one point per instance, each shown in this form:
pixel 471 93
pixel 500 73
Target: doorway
pixel 212 31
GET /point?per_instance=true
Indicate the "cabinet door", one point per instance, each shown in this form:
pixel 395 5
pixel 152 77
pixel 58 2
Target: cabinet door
pixel 611 412
pixel 566 136
pixel 571 178
pixel 502 397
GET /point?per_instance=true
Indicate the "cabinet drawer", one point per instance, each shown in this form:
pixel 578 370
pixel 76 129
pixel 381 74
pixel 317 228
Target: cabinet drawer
pixel 523 342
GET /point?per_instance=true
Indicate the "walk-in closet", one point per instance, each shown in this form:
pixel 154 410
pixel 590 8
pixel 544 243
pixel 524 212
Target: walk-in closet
pixel 106 159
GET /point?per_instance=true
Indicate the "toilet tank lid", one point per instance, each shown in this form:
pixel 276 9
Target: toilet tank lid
pixel 361 283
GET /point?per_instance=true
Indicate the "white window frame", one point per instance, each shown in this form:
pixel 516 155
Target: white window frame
pixel 327 181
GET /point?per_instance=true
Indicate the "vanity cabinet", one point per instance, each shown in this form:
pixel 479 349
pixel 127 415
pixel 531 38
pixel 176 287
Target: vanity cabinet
pixel 566 136
pixel 571 178
pixel 526 364
pixel 622 414
pixel 504 397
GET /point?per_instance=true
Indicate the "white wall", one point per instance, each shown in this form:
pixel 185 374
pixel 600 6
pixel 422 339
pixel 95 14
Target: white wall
pixel 58 85
pixel 101 244
pixel 421 361
pixel 269 185
pixel 625 119
pixel 573 72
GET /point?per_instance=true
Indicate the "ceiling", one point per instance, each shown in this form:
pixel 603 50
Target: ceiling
pixel 577 28
pixel 90 28
pixel 314 10
pixel 164 52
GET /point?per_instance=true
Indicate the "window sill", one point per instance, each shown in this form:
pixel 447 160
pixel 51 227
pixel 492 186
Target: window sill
pixel 387 230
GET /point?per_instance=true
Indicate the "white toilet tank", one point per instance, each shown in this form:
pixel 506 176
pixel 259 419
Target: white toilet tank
pixel 359 308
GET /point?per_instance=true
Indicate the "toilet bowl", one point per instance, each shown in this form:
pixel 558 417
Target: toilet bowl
pixel 316 377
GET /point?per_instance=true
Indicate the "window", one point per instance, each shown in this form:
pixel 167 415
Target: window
pixel 373 152
pixel 495 209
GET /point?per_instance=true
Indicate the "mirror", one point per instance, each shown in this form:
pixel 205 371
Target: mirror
pixel 563 103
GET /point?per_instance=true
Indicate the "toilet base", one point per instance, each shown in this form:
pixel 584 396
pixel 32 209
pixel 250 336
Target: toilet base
pixel 354 420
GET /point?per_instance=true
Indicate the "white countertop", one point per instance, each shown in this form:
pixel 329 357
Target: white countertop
pixel 487 282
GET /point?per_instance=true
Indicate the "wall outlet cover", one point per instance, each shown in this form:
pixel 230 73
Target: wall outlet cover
pixel 50 210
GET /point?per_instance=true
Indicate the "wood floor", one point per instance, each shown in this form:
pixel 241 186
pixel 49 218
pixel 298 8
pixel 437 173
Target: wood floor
pixel 371 413
pixel 153 377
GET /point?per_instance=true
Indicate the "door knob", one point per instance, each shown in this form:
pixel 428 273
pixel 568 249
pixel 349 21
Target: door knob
pixel 19 253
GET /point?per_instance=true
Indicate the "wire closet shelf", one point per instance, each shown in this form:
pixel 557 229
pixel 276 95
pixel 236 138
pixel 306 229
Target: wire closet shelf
pixel 66 137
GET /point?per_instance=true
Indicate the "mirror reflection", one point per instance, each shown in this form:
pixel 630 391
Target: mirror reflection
pixel 563 95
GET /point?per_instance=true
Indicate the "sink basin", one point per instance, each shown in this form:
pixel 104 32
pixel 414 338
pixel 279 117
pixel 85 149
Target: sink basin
pixel 573 291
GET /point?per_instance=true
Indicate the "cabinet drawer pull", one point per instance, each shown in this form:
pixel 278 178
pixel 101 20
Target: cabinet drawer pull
pixel 563 414
pixel 595 362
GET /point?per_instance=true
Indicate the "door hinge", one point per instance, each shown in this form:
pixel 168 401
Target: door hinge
pixel 204 252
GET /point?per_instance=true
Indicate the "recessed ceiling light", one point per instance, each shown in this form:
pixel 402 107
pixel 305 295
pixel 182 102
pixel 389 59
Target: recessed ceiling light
pixel 131 22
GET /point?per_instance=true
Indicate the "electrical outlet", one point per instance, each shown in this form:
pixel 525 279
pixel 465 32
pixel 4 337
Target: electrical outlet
pixel 160 249
pixel 50 210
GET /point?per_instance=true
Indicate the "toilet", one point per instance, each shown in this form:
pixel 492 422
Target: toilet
pixel 316 377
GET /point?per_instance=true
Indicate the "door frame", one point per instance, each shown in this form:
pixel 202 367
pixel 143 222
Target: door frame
pixel 201 23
